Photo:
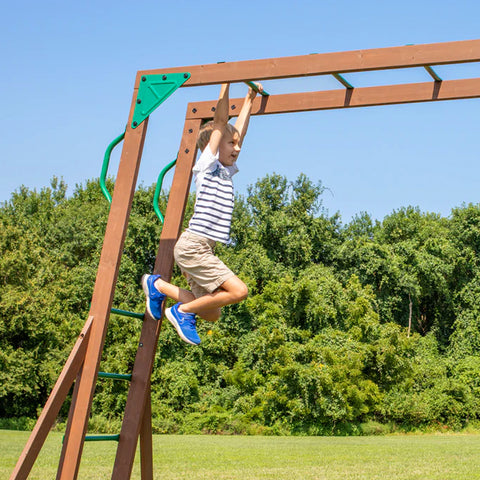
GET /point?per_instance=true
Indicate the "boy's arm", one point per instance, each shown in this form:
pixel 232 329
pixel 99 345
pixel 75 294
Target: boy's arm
pixel 220 119
pixel 244 117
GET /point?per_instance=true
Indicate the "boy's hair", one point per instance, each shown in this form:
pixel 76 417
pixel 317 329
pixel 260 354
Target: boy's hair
pixel 206 131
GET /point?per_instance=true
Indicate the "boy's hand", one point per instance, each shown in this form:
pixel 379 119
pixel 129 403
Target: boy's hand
pixel 252 92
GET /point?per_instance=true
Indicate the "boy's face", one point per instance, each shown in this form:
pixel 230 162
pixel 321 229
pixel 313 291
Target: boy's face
pixel 228 149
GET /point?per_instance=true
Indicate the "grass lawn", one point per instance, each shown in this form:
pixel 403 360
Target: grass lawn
pixel 426 457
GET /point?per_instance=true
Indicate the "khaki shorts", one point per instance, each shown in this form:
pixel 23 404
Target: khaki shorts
pixel 204 271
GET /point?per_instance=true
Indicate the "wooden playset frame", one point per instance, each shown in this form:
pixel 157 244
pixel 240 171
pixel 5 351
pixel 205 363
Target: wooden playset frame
pixel 82 366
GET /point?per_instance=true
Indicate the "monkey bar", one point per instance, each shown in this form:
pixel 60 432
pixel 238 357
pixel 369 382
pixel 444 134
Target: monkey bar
pixel 85 358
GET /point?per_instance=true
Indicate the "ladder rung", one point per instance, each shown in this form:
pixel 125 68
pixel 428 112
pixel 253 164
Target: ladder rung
pixel 99 438
pixel 115 376
pixel 346 84
pixel 432 73
pixel 126 313
pixel 102 438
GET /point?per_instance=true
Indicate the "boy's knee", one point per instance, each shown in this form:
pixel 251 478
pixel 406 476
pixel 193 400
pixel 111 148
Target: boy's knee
pixel 237 290
pixel 242 292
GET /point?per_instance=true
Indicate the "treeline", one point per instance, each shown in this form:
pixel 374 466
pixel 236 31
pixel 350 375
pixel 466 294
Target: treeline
pixel 348 328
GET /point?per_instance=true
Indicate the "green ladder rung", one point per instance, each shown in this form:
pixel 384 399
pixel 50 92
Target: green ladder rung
pixel 126 313
pixel 102 438
pixel 99 438
pixel 115 376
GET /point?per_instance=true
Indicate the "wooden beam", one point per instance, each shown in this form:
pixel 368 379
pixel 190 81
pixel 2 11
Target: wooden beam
pixel 347 98
pixel 54 403
pixel 69 423
pixel 104 289
pixel 137 406
pixel 327 63
pixel 146 440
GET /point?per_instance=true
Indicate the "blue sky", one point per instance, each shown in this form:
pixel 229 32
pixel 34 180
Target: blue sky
pixel 68 70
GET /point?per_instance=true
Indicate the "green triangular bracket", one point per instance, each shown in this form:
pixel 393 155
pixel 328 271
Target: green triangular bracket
pixel 153 91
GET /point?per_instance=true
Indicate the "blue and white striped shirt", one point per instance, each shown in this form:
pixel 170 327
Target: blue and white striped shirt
pixel 212 215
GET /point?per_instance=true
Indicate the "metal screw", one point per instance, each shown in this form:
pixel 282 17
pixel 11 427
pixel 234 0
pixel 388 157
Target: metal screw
pixel 213 109
pixel 190 130
pixel 164 77
pixel 144 79
pixel 135 124
pixel 187 150
pixel 140 344
pixel 233 107
pixel 139 101
pixel 185 75
pixel 194 110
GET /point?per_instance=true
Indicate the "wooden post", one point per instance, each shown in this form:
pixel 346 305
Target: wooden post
pixel 138 393
pixel 53 405
pixel 146 447
pixel 104 289
pixel 69 423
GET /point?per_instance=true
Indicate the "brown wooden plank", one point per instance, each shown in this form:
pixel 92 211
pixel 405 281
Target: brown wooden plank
pixel 348 98
pixel 146 447
pixel 327 63
pixel 54 403
pixel 142 368
pixel 69 423
pixel 104 289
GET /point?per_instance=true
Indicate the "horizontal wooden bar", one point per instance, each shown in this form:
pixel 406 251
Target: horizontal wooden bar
pixel 327 63
pixel 347 98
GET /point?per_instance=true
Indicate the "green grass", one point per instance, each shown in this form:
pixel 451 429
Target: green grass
pixel 441 456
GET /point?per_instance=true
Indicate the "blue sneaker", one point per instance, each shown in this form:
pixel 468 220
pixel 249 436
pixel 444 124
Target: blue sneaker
pixel 184 323
pixel 154 297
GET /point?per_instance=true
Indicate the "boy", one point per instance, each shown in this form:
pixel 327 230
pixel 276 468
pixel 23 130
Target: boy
pixel 213 285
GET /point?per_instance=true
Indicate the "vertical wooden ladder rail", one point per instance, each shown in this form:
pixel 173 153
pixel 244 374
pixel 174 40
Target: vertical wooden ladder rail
pixel 103 292
pixel 138 420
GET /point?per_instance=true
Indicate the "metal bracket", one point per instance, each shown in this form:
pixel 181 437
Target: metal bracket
pixel 153 91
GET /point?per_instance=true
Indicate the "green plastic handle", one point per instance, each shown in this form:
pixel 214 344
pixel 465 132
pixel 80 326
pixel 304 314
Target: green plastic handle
pixel 158 189
pixel 255 88
pixel 106 161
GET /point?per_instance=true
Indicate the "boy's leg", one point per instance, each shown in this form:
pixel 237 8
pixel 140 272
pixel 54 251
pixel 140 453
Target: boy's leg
pixel 231 291
pixel 183 315
pixel 172 291
pixel 185 296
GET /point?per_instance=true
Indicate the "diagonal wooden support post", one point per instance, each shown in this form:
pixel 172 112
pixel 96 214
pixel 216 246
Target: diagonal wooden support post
pixel 69 424
pixel 103 291
pixel 139 389
pixel 54 403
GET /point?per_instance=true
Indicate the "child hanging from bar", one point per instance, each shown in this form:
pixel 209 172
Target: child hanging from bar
pixel 213 285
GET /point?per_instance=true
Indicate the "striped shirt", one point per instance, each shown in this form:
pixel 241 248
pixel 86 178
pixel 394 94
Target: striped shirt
pixel 212 214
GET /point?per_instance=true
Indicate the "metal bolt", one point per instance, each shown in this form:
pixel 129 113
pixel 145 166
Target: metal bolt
pixel 135 124
pixel 164 77
pixel 213 109
pixel 233 107
pixel 144 79
pixel 190 130
pixel 140 344
pixel 187 150
pixel 139 101
pixel 185 75
pixel 194 110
